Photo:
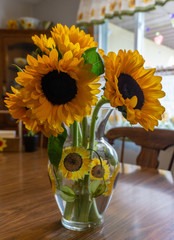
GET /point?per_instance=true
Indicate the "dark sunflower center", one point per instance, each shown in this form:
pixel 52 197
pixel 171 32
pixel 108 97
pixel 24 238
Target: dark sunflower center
pixel 58 87
pixel 128 87
pixel 73 162
pixel 98 171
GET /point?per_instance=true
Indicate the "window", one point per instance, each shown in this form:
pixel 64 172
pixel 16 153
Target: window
pixel 156 38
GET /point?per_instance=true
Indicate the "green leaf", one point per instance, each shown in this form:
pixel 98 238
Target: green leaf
pixel 68 190
pixel 93 186
pixel 112 156
pixel 96 188
pixel 18 68
pixel 93 57
pixel 67 193
pixel 113 160
pixel 100 190
pixel 55 147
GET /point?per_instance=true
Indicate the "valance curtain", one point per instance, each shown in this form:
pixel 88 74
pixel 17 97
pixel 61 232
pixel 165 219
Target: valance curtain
pixel 95 11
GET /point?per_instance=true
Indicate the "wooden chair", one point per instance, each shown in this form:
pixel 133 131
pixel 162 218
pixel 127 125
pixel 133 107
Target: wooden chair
pixel 151 143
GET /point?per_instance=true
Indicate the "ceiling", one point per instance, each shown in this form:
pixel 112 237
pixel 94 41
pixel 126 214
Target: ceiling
pixel 158 20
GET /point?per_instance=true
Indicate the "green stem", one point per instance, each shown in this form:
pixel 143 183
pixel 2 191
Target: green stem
pixel 86 182
pixel 94 214
pixel 71 130
pixel 68 210
pixel 84 132
pixel 75 134
pixel 85 200
pixel 79 134
pixel 77 188
pixel 85 207
pixel 76 210
pixel 93 123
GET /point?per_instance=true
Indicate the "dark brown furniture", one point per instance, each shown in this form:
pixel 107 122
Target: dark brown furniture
pixel 142 205
pixel 151 143
pixel 13 44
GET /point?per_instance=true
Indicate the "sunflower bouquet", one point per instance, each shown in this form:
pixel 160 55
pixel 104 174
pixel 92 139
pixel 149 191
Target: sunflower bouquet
pixel 59 90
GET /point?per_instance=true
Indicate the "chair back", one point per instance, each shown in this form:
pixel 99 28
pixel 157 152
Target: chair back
pixel 151 143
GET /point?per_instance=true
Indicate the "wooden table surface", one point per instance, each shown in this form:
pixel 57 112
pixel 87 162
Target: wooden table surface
pixel 142 206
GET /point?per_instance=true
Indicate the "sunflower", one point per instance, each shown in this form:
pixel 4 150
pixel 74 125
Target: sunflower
pixel 12 24
pixel 2 144
pixel 133 89
pixel 112 180
pixel 18 109
pixel 45 45
pixel 99 172
pixel 75 163
pixel 61 91
pixel 72 39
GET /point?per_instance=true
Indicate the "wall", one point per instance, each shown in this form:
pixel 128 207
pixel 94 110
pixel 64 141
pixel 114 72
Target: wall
pixel 10 9
pixel 58 11
pixel 120 38
pixel 63 12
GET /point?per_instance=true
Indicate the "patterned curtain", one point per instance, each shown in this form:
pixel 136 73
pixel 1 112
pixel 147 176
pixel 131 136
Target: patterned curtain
pixel 95 11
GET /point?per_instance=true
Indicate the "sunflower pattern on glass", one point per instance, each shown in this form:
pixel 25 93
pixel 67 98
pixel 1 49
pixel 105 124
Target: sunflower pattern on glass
pixel 112 180
pixel 133 89
pixel 98 171
pixel 75 163
pixel 52 179
pixel 3 144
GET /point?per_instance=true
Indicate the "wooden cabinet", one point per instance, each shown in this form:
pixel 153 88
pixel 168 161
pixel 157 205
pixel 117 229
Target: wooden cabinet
pixel 13 44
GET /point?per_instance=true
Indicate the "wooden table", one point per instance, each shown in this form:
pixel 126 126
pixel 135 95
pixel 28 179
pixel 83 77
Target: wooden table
pixel 142 206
